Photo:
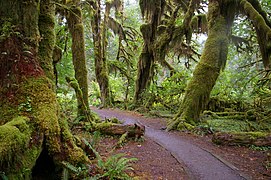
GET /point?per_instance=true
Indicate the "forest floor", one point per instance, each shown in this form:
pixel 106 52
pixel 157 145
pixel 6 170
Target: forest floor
pixel 195 158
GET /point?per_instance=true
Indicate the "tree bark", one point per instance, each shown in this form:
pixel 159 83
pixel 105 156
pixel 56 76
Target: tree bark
pixel 29 118
pixel 208 69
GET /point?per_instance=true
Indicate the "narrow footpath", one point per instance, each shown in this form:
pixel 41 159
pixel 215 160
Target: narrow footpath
pixel 199 163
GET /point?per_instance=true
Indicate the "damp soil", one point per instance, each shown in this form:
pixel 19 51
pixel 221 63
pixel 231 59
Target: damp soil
pixel 182 155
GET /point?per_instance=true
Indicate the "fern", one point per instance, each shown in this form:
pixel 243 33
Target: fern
pixel 122 139
pixel 96 138
pixel 116 165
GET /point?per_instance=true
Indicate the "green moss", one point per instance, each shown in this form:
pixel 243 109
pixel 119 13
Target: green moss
pixel 185 126
pixel 16 138
pixel 103 125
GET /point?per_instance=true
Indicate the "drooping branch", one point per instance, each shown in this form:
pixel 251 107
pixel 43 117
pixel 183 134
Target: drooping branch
pixel 173 36
pixel 262 27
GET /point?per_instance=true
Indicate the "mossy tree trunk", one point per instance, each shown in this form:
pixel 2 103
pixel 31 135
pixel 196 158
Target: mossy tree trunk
pixel 29 118
pixel 100 43
pixel 76 28
pixel 47 34
pixel 152 12
pixel 144 74
pixel 220 18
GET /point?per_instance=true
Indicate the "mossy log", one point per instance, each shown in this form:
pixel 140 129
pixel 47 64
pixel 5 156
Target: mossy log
pixel 242 138
pixel 132 130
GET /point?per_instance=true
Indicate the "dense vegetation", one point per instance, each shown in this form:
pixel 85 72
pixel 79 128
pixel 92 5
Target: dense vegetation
pixel 203 64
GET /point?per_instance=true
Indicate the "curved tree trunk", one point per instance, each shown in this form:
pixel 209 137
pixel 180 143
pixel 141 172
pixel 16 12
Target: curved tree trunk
pixel 74 18
pixel 208 69
pixel 29 118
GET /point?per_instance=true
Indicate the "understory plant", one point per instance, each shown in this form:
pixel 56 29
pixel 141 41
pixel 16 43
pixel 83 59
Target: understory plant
pixel 114 167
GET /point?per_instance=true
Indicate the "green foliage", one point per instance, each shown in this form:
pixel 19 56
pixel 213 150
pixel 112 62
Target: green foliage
pixel 168 94
pixel 95 139
pixel 227 125
pixel 260 148
pixel 122 139
pixel 80 172
pixel 118 88
pixel 115 166
pixel 67 104
pixel 95 95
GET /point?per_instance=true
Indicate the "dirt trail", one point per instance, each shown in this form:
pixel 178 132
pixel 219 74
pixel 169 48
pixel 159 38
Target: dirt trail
pixel 200 164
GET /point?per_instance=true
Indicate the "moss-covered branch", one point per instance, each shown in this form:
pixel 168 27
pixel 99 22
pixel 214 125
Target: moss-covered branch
pixel 263 29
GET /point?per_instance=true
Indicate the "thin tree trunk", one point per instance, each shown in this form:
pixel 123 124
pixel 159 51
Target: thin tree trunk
pixel 99 55
pixel 76 29
pixel 208 69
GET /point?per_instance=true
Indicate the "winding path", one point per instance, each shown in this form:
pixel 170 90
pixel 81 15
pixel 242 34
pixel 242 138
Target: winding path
pixel 200 164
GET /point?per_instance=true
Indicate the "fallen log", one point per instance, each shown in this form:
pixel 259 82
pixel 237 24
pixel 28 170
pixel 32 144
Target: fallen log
pixel 242 138
pixel 132 130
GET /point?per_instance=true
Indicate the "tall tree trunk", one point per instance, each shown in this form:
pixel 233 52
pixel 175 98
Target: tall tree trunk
pixel 29 118
pixel 99 55
pixel 213 59
pixel 74 18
